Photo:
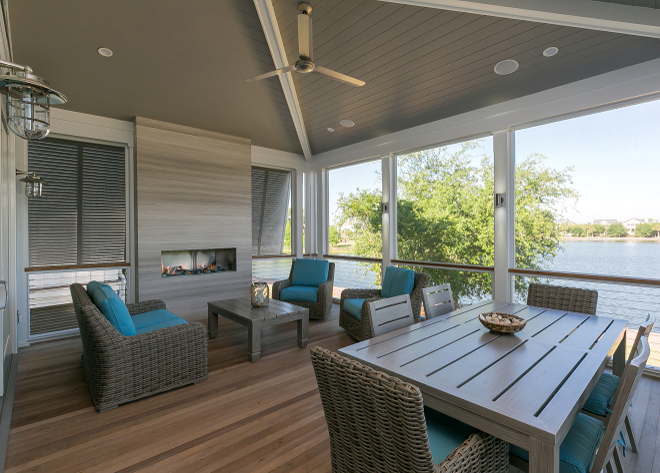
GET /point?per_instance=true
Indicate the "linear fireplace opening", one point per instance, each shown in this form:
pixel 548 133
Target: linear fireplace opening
pixel 189 262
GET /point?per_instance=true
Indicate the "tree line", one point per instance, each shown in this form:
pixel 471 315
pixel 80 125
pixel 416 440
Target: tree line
pixel 645 230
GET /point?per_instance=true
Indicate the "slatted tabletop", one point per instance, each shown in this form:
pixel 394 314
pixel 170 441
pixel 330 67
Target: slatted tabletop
pixel 525 388
pixel 242 307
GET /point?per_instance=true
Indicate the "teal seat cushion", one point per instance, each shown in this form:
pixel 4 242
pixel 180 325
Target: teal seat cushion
pixel 397 281
pixel 354 307
pixel 445 433
pixel 91 287
pixel 578 450
pixel 600 399
pixel 300 294
pixel 153 317
pixel 309 272
pixel 113 309
pixel 163 324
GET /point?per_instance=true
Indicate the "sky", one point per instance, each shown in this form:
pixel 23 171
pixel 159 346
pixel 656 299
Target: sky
pixel 615 155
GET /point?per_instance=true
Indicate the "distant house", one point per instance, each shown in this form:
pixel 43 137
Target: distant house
pixel 605 222
pixel 631 224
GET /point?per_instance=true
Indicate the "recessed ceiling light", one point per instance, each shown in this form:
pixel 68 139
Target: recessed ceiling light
pixel 508 66
pixel 331 130
pixel 551 51
pixel 346 123
pixel 105 52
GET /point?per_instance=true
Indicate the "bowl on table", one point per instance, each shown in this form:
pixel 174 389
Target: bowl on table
pixel 498 322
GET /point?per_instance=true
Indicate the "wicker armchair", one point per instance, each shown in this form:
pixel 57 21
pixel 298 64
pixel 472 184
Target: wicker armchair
pixel 120 369
pixel 361 329
pixel 570 299
pixel 377 424
pixel 319 309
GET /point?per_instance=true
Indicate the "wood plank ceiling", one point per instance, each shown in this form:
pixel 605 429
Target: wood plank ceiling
pixel 186 63
pixel 423 64
pixel 635 3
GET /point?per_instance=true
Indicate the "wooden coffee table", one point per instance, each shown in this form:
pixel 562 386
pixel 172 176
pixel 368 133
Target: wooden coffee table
pixel 255 318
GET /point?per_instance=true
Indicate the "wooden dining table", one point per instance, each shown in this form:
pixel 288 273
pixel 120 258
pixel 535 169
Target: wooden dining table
pixel 525 388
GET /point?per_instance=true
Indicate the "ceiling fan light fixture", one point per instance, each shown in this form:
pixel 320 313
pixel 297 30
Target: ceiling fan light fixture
pixel 347 123
pixel 305 63
pixel 506 67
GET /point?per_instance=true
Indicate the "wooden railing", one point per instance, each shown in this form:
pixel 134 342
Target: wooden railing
pixel 273 256
pixel 450 266
pixel 586 277
pixel 364 259
pixel 68 267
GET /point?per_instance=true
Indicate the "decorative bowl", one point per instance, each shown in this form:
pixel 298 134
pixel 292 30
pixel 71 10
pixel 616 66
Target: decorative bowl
pixel 498 322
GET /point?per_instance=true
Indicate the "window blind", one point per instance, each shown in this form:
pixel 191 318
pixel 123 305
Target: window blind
pixel 81 216
pixel 271 190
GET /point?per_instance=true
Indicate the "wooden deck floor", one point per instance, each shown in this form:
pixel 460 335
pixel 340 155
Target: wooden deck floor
pixel 261 417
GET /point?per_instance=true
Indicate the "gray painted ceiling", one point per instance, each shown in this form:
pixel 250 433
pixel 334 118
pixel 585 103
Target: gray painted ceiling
pixel 635 3
pixel 175 61
pixel 185 63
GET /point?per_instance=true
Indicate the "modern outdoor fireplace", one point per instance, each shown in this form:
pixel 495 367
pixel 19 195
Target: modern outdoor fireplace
pixel 190 262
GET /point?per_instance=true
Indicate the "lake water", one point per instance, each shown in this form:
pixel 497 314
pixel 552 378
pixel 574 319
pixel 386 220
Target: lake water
pixel 639 259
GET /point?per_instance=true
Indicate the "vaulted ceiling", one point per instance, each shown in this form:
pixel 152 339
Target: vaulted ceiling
pixel 185 63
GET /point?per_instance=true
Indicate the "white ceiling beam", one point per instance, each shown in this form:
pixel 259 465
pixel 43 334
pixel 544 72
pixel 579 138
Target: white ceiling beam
pixel 274 38
pixel 589 14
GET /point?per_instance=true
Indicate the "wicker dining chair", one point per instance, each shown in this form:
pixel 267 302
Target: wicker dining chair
pixel 360 329
pixel 377 424
pixel 570 299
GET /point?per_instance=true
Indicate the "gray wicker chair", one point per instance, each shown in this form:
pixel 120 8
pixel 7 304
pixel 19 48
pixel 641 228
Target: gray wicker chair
pixel 120 369
pixel 323 304
pixel 377 424
pixel 361 329
pixel 570 299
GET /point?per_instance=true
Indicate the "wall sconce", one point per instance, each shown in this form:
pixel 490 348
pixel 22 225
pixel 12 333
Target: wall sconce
pixel 33 183
pixel 499 200
pixel 385 207
pixel 27 101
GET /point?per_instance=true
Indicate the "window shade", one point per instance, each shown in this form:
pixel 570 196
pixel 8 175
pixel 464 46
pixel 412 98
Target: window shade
pixel 81 216
pixel 270 204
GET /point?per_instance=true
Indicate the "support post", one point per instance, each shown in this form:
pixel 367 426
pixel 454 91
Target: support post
pixel 310 212
pixel 503 185
pixel 297 215
pixel 389 210
pixel 321 213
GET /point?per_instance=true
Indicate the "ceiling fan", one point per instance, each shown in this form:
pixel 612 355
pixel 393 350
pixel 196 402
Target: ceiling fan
pixel 305 64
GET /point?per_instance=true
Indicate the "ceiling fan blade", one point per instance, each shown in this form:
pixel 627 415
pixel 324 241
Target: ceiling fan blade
pixel 272 73
pixel 340 77
pixel 305 36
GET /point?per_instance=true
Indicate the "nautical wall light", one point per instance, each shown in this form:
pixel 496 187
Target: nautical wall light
pixel 27 101
pixel 33 183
